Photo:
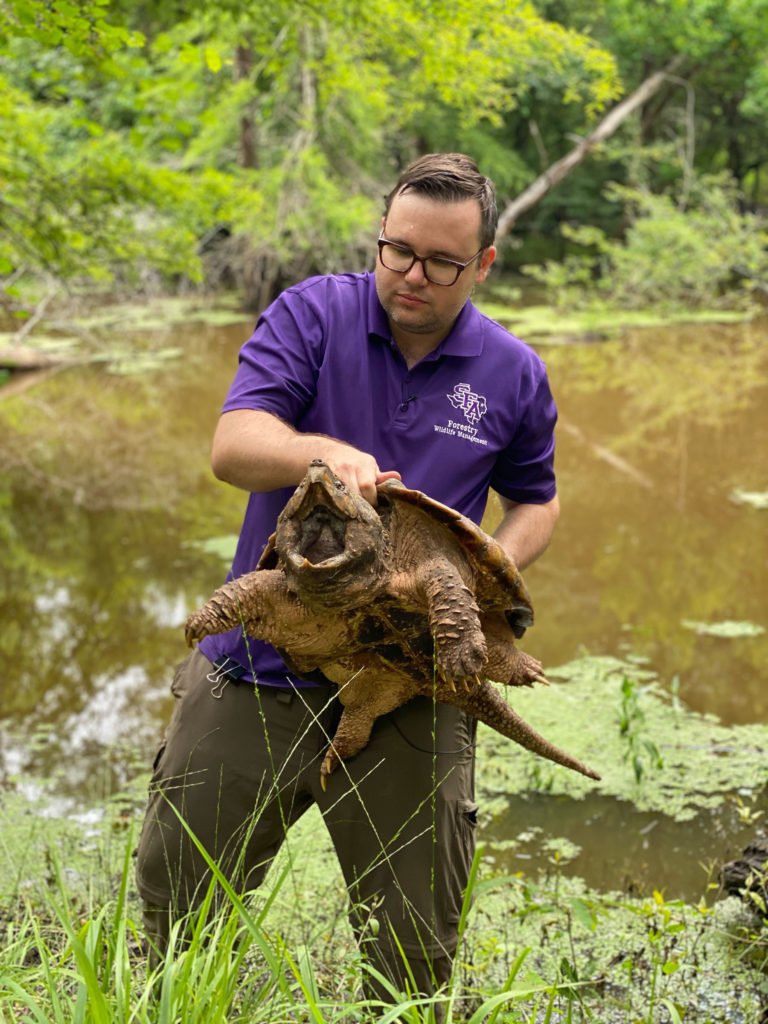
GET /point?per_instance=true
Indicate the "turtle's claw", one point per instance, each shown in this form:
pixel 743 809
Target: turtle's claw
pixel 331 761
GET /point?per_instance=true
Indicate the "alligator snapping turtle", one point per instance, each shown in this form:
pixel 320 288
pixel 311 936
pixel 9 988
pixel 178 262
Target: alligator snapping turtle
pixel 390 602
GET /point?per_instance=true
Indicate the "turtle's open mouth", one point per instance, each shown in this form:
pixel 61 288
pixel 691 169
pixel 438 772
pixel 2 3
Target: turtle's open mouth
pixel 322 535
pixel 330 542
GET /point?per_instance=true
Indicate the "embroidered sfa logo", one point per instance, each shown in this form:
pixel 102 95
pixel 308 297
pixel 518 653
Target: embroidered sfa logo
pixel 473 406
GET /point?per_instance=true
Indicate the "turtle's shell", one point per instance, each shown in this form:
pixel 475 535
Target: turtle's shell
pixel 498 577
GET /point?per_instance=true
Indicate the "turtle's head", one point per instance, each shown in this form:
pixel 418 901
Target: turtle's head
pixel 330 542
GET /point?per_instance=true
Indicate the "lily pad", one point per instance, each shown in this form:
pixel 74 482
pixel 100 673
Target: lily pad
pixel 127 363
pixel 164 313
pixel 727 629
pixel 547 322
pixel 757 499
pixel 223 546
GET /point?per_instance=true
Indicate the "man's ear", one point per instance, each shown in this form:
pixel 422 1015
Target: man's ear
pixel 489 255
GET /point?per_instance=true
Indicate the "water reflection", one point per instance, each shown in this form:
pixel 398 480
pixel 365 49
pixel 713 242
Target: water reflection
pixel 639 550
pixel 105 487
pixel 104 490
pixel 618 847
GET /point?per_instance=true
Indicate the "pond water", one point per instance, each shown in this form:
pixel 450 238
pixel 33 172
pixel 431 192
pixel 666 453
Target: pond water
pixel 112 529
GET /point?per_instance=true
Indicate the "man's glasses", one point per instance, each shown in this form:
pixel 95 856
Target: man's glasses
pixel 436 269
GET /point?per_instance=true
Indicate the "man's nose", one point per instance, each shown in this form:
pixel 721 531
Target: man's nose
pixel 415 274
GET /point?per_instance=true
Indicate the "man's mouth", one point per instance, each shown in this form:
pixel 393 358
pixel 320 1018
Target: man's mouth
pixel 410 300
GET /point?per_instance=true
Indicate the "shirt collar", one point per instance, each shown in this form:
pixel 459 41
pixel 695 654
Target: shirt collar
pixel 464 339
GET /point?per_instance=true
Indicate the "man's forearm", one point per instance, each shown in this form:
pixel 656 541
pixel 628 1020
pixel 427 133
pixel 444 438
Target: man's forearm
pixel 257 451
pixel 526 530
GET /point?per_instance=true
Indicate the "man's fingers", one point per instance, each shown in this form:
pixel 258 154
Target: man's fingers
pixel 359 471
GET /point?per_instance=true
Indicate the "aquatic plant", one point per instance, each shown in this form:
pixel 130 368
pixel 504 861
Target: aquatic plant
pixel 641 751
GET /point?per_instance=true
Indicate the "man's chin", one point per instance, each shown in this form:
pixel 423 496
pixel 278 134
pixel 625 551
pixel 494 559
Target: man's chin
pixel 412 320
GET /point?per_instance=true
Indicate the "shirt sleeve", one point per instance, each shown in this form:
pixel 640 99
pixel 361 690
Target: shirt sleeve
pixel 279 364
pixel 524 470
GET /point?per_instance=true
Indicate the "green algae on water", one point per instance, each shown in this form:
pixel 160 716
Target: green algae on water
pixel 727 630
pixel 608 712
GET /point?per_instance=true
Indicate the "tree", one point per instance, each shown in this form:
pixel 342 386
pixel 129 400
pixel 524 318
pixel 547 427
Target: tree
pixel 610 123
pixel 715 116
pixel 131 142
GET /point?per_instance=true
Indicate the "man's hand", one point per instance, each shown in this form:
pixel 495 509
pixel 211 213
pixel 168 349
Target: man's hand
pixel 359 471
pixel 259 452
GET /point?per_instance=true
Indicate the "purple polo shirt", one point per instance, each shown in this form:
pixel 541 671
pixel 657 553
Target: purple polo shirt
pixel 475 413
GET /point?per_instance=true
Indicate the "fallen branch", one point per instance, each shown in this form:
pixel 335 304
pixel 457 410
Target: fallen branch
pixel 558 170
pixel 36 317
pixel 611 458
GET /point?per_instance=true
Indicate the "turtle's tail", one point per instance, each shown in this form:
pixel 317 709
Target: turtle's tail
pixel 488 706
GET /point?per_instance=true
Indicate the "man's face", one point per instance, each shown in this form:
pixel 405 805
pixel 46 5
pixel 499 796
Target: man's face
pixel 421 313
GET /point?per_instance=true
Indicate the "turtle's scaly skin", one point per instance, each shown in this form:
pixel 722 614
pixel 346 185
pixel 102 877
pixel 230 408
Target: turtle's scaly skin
pixel 407 599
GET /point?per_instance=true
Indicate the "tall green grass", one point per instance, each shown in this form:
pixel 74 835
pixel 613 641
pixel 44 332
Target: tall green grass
pixel 543 950
pixel 63 964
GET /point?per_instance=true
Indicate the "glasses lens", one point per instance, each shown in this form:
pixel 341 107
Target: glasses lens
pixel 393 257
pixel 441 271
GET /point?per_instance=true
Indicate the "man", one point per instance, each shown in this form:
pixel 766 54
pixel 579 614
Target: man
pixel 394 373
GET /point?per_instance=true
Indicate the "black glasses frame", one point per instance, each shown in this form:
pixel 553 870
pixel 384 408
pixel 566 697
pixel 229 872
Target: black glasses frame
pixel 459 267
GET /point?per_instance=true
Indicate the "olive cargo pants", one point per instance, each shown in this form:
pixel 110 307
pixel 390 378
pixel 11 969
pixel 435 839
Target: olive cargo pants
pixel 243 767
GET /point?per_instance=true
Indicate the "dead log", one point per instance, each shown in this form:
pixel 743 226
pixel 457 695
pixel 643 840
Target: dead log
pixel 558 170
pixel 29 359
pixel 747 876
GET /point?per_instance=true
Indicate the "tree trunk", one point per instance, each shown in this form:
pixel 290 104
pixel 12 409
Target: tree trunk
pixel 243 69
pixel 558 170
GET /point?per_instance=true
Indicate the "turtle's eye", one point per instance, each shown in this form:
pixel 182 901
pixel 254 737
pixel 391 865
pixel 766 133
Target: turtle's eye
pixel 339 485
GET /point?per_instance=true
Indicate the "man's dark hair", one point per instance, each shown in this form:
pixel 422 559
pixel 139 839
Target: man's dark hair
pixel 447 178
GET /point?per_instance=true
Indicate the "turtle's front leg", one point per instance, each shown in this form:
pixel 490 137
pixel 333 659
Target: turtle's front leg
pixel 454 619
pixel 253 601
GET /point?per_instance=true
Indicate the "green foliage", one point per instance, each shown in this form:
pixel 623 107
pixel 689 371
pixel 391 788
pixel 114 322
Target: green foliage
pixel 697 251
pixel 480 62
pixel 79 26
pixel 713 113
pixel 126 145
pixel 641 751
pixel 79 206
pixel 132 130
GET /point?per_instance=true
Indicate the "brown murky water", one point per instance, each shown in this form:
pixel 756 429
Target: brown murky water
pixel 108 508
